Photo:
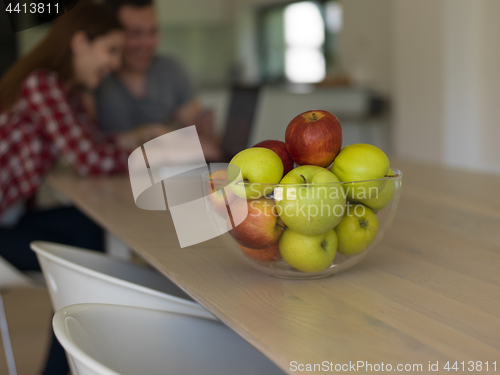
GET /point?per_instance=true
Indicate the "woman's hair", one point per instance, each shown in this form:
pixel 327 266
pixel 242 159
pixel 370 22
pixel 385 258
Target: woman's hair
pixel 54 51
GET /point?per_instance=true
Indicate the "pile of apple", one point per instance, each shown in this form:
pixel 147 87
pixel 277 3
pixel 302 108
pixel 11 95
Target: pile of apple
pixel 305 215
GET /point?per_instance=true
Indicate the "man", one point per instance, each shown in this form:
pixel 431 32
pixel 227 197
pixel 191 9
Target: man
pixel 148 88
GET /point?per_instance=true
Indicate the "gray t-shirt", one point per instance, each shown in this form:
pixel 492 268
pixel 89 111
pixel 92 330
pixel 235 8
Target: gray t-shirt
pixel 168 88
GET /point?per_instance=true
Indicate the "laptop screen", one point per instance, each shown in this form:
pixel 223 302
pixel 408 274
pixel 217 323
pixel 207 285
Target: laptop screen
pixel 240 119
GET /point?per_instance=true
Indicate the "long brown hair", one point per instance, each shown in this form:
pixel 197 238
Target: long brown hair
pixel 54 51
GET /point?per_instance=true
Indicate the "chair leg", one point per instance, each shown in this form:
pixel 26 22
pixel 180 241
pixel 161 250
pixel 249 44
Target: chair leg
pixel 7 345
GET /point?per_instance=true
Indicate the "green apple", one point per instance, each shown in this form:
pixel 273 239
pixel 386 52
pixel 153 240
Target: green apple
pixel 314 203
pixel 253 168
pixel 379 198
pixel 357 229
pixel 361 162
pixel 308 253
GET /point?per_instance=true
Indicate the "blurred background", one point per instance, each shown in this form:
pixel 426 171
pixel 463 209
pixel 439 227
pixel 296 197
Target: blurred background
pixel 418 78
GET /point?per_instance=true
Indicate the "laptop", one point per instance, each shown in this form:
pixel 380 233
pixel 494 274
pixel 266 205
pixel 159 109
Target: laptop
pixel 240 120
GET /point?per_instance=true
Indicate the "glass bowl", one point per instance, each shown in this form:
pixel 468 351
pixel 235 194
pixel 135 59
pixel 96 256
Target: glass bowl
pixel 282 203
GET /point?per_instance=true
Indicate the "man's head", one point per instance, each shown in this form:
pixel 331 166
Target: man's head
pixel 141 27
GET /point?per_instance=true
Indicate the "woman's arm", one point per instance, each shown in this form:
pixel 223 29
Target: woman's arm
pixel 83 146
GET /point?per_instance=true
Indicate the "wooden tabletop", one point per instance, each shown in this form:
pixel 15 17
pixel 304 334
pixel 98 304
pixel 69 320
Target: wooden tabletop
pixel 429 293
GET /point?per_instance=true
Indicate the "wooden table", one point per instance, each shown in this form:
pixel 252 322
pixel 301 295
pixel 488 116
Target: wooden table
pixel 429 293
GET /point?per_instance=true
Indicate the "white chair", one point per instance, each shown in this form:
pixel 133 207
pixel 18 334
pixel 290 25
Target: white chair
pixel 111 340
pixel 75 275
pixel 10 278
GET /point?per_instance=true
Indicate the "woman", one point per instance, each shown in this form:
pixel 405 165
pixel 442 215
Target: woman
pixel 43 119
pixel 42 115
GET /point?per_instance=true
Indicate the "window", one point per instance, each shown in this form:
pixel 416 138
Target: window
pixel 298 41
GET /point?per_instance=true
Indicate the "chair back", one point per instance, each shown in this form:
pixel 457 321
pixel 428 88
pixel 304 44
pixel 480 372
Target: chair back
pixel 111 340
pixel 75 275
pixel 11 277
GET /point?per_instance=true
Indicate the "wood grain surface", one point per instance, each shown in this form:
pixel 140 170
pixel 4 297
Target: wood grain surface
pixel 429 293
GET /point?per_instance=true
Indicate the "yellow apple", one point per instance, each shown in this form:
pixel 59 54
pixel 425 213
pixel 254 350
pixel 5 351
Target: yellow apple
pixel 357 229
pixel 377 199
pixel 308 253
pixel 254 172
pixel 360 162
pixel 313 203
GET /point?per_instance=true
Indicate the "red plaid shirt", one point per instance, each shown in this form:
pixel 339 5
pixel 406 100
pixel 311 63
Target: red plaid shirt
pixel 47 122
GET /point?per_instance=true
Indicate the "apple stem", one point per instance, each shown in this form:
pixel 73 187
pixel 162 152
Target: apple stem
pixel 323 244
pixel 242 182
pixel 363 223
pixel 280 224
pixel 303 178
pixel 314 115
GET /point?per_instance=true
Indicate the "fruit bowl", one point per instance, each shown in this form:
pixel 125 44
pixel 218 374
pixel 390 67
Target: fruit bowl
pixel 297 220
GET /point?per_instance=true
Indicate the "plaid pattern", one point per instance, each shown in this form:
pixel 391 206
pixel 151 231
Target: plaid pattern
pixel 46 123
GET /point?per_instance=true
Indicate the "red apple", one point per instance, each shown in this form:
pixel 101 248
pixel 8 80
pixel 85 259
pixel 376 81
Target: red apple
pixel 260 228
pixel 268 254
pixel 279 147
pixel 217 183
pixel 314 138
